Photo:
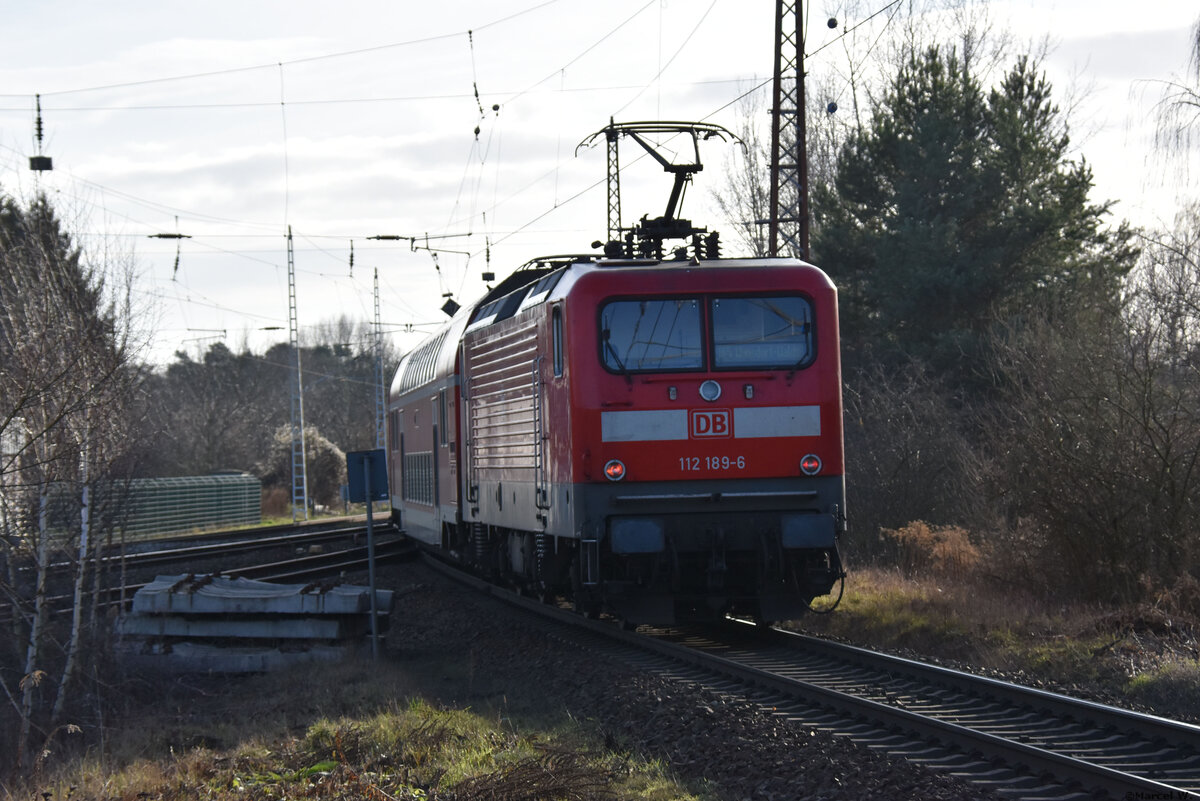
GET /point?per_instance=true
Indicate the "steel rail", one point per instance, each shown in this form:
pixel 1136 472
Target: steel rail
pixel 849 699
pixel 238 542
pixel 1177 732
pixel 837 702
pixel 182 540
pixel 319 565
pixel 302 567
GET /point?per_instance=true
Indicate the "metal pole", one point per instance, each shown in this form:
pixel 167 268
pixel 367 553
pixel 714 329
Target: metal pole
pixel 380 389
pixel 299 459
pixel 788 198
pixel 801 139
pixel 776 124
pixel 371 558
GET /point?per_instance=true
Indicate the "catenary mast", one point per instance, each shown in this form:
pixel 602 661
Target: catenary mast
pixel 788 213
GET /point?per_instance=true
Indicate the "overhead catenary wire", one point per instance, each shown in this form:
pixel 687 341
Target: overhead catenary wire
pixel 286 170
pixel 330 101
pixel 194 297
pixel 474 214
pixel 583 52
pixel 893 4
pixel 561 73
pixel 670 61
pixel 496 204
pixel 301 60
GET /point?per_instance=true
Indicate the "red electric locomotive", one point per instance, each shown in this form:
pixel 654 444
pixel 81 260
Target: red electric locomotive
pixel 658 438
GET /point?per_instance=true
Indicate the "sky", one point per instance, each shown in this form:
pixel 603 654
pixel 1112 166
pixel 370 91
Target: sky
pixel 229 122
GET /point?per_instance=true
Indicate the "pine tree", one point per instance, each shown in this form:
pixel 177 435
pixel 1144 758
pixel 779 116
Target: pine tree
pixel 955 210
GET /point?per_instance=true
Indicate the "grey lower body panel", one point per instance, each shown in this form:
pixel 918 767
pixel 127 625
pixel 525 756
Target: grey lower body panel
pixel 694 551
pixel 661 552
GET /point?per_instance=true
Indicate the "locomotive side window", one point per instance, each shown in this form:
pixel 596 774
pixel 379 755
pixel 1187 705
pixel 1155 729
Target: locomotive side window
pixel 651 335
pixel 442 416
pixel 769 332
pixel 557 327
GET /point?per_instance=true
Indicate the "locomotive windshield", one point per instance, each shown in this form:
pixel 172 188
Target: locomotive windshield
pixel 669 335
pixel 651 335
pixel 761 332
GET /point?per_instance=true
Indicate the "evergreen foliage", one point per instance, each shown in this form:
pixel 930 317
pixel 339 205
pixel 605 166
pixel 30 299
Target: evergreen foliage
pixel 956 209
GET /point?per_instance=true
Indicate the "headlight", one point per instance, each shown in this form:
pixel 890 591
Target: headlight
pixel 614 470
pixel 810 465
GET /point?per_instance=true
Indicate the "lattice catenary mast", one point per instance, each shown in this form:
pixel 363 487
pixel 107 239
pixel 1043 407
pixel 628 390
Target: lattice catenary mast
pixel 299 465
pixel 788 213
pixel 380 390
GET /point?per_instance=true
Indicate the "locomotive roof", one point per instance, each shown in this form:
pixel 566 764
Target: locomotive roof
pixel 537 281
pixel 434 357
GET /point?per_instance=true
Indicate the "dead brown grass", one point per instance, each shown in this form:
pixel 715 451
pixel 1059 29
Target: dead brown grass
pixel 549 776
pixel 946 551
pixel 945 608
pixel 275 502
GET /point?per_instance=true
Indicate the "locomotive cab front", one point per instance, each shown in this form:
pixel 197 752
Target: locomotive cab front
pixel 706 438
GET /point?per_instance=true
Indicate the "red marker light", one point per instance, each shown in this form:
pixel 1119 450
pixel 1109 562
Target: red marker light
pixel 810 465
pixel 614 470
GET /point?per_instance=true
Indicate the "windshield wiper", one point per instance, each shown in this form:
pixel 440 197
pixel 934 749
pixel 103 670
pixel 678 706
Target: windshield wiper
pixel 606 336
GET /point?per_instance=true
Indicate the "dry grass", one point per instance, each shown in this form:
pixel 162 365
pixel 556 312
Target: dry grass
pixel 944 551
pixel 340 732
pixel 276 502
pixel 1146 656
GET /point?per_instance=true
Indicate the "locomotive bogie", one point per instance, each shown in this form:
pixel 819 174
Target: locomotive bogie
pixel 694 551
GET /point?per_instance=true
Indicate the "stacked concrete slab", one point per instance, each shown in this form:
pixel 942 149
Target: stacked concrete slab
pixel 217 624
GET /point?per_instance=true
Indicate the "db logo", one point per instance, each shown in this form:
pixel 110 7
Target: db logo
pixel 711 423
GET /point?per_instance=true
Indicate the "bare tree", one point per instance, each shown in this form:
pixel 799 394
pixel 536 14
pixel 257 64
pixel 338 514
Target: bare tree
pixel 744 199
pixel 1179 108
pixel 66 382
pixel 1165 292
pixel 326 464
pixel 909 456
pixel 1098 454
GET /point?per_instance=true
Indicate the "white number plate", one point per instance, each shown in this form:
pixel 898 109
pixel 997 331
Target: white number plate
pixel 690 464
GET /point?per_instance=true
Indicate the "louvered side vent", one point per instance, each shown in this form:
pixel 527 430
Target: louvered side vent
pixel 503 434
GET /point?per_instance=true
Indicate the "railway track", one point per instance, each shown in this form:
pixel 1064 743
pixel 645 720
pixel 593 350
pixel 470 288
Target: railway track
pixel 352 559
pixel 184 558
pixel 223 544
pixel 1019 742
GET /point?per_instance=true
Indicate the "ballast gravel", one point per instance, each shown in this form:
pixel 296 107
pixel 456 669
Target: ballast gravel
pixel 732 748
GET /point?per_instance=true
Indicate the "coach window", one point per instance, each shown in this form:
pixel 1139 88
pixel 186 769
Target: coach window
pixel 770 332
pixel 442 416
pixel 557 326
